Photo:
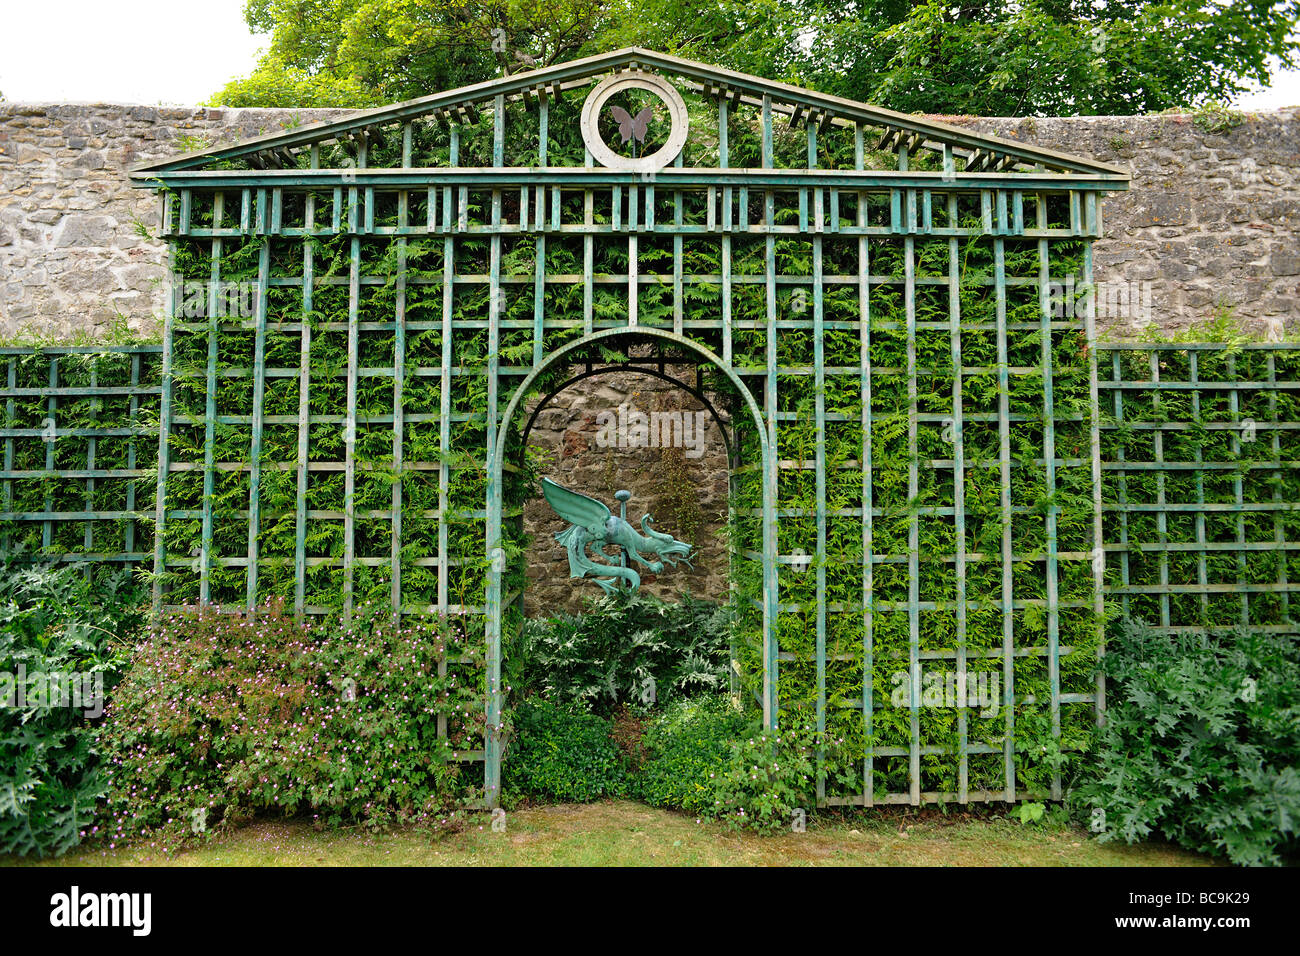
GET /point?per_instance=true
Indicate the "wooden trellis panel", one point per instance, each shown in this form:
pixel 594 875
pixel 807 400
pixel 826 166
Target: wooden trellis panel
pixel 80 443
pixel 918 478
pixel 1202 467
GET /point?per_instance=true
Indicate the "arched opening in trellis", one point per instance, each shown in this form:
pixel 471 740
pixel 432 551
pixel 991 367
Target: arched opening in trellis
pixel 655 421
pixel 752 529
pixel 917 490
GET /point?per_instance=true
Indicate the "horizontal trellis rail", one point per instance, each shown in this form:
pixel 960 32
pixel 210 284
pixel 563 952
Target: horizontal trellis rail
pixel 684 203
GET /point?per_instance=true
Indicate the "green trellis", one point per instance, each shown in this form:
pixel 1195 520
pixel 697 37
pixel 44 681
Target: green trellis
pixel 80 453
pixel 1202 463
pixel 917 478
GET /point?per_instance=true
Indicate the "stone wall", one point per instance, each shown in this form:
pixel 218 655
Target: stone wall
pixel 1210 221
pixel 73 259
pixel 684 488
pixel 1210 224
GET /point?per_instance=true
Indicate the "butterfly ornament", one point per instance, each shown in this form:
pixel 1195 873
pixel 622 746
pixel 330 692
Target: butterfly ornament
pixel 631 127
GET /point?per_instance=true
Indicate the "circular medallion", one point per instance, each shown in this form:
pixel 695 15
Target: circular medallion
pixel 633 129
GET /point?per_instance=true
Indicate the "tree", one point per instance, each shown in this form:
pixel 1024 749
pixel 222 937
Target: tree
pixel 1009 57
pixel 1050 57
pixel 369 52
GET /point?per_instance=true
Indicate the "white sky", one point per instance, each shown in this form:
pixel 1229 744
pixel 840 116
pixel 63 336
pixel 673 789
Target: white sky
pixel 177 52
pixel 128 52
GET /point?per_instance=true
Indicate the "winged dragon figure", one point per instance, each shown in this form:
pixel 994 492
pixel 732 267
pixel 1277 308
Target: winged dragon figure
pixel 592 523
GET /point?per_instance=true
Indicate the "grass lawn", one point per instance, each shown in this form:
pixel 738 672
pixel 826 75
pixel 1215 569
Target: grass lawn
pixel 622 833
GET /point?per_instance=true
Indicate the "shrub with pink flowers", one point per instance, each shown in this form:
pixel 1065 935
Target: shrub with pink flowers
pixel 223 717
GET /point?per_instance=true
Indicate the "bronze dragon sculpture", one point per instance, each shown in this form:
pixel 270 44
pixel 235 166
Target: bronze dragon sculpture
pixel 592 523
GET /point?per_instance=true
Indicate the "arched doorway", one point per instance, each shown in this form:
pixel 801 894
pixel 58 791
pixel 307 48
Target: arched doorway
pixel 499 450
pixel 663 434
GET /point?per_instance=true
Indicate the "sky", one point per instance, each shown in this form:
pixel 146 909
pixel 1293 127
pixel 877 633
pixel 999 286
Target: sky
pixel 123 52
pixel 115 52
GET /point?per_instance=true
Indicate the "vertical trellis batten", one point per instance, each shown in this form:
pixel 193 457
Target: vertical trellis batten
pixel 633 268
pixel 724 161
pixel 1094 449
pixel 259 390
pixel 1004 459
pixel 496 553
pixel 11 422
pixel 350 435
pixel 1162 514
pixel 819 445
pixel 304 416
pixel 1049 465
pixel 133 417
pixel 677 253
pixel 444 381
pixel 51 438
pixel 350 425
pixel 958 491
pixel 771 702
pixel 539 266
pixel 214 310
pixel 88 535
pixel 913 529
pixel 164 434
pixel 539 227
pixel 1202 569
pixel 399 385
pixel 1238 494
pixel 865 399
pixel 588 253
pixel 1121 488
pixel 819 451
pixel 1279 527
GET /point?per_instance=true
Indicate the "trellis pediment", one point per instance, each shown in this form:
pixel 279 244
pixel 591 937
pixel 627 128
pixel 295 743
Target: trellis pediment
pixel 532 121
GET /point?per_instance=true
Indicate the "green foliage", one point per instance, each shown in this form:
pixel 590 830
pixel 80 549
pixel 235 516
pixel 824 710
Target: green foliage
pixel 562 753
pixel 702 755
pixel 56 621
pixel 1202 742
pixel 368 52
pixel 769 778
pixel 1039 57
pixel 623 650
pixel 1218 118
pixel 1048 57
pixel 687 746
pixel 709 758
pixel 222 717
pixel 1031 812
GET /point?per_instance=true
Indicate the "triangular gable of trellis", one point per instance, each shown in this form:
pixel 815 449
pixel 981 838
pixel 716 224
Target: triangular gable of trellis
pixel 978 152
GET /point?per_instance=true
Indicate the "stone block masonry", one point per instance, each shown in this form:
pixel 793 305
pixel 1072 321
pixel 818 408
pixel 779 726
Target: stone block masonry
pixel 75 256
pixel 1210 222
pixel 684 488
pixel 1212 217
pixel 1208 227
